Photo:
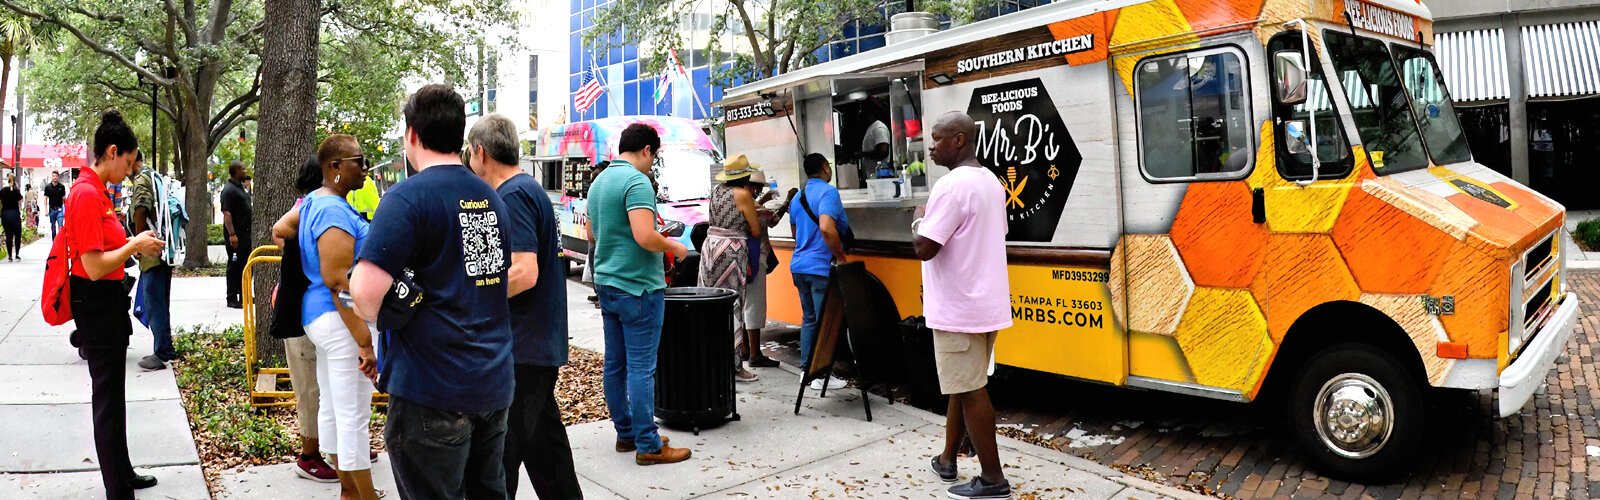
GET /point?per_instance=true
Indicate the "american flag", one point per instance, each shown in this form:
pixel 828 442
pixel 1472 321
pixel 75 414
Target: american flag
pixel 588 93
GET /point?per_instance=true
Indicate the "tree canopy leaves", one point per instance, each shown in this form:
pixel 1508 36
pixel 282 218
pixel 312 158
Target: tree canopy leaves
pixel 746 40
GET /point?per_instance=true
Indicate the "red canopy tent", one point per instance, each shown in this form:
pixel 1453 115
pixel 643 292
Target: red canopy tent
pixel 50 156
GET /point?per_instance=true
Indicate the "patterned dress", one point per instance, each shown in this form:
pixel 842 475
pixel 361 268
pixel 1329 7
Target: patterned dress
pixel 725 256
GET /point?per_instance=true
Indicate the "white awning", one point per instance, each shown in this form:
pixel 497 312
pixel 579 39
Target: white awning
pixel 1563 60
pixel 1474 64
pixel 1559 60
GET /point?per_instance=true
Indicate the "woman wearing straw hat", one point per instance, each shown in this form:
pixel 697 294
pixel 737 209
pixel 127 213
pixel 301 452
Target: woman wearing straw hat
pixel 725 257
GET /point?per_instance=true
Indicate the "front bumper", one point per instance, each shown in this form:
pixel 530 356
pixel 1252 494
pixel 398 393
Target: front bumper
pixel 1527 373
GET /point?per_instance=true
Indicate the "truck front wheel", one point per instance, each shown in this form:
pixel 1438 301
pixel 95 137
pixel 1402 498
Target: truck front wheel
pixel 1358 413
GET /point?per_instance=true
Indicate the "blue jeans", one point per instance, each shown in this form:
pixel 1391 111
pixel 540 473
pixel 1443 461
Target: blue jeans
pixel 55 221
pixel 812 289
pixel 633 334
pixel 156 285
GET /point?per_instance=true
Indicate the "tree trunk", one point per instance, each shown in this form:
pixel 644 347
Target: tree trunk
pixel 285 129
pixel 192 141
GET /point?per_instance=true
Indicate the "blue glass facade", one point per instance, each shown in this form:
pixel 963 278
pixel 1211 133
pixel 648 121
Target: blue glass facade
pixel 629 91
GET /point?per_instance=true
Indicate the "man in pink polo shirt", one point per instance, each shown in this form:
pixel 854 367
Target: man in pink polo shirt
pixel 966 296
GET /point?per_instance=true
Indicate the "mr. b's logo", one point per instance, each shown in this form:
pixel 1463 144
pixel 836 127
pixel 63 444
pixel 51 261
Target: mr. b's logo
pixel 1022 139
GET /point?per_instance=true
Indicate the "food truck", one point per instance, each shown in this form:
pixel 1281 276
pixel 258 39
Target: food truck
pixel 1228 199
pixel 566 153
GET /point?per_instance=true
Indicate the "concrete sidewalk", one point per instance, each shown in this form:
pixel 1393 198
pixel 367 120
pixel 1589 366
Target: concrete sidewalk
pixel 44 396
pixel 828 450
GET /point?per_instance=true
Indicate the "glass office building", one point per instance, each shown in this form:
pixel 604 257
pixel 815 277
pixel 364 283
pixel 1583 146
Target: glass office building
pixel 629 91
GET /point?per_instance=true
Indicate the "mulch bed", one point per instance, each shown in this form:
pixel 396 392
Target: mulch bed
pixel 579 390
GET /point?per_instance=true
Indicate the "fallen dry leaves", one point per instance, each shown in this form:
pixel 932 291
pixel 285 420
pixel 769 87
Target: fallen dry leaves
pixel 579 389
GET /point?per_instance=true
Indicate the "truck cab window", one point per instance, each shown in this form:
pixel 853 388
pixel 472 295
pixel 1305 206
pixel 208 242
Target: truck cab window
pixel 1430 100
pixel 1194 115
pixel 1378 102
pixel 1293 123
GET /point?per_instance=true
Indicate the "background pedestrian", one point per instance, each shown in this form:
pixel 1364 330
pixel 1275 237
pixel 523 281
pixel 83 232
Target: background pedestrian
pixel 535 437
pixel 631 281
pixel 56 194
pixel 818 246
pixel 299 353
pixel 966 296
pixel 330 234
pixel 236 215
pixel 725 257
pixel 11 217
pixel 155 273
pixel 100 298
pixel 771 210
pixel 448 369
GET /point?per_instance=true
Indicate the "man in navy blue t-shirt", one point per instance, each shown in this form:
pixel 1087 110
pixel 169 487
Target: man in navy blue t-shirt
pixel 535 437
pixel 448 370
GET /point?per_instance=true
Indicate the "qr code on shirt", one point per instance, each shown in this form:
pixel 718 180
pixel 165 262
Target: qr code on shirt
pixel 481 245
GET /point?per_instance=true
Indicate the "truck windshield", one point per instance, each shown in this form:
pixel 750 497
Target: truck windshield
pixel 1378 102
pixel 1430 100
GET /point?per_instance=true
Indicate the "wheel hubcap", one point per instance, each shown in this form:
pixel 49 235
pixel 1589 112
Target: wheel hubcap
pixel 1354 415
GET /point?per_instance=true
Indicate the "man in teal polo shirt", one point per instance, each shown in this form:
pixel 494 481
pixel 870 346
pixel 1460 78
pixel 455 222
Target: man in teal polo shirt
pixel 631 283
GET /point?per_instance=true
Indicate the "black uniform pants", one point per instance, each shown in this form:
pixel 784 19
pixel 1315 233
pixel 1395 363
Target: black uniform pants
pixel 12 222
pixel 536 439
pixel 237 255
pixel 100 310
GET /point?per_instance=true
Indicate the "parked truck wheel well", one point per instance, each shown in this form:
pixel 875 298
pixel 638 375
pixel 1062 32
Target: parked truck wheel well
pixel 1335 323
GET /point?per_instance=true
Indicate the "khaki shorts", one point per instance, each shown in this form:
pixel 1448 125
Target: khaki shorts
pixel 755 302
pixel 963 360
pixel 302 357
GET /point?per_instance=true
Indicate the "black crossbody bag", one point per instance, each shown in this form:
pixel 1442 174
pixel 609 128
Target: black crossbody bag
pixel 846 238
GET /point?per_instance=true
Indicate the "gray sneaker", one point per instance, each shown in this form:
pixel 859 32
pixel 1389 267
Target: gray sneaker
pixel 979 489
pixel 152 363
pixel 947 473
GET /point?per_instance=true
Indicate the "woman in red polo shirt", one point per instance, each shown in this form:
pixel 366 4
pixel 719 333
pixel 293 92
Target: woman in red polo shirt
pixel 100 299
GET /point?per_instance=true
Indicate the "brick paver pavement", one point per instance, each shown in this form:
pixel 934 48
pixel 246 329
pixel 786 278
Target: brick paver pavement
pixel 1550 450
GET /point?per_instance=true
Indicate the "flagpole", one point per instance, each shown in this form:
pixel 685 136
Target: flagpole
pixel 688 79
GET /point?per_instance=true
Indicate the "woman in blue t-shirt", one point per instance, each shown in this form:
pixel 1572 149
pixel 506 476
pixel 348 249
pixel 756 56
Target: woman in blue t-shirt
pixel 330 234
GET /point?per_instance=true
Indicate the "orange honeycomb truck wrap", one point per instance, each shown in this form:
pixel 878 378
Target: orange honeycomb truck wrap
pixel 1225 292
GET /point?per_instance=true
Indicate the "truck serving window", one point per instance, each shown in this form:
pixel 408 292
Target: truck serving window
pixel 1293 130
pixel 1378 102
pixel 1194 115
pixel 1430 100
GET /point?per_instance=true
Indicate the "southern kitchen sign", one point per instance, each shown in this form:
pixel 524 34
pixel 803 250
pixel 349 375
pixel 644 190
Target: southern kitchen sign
pixel 1053 48
pixel 1022 139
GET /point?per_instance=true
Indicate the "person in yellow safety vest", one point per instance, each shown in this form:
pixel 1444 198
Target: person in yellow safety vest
pixel 365 200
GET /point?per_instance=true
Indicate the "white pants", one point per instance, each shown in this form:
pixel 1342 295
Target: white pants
pixel 345 404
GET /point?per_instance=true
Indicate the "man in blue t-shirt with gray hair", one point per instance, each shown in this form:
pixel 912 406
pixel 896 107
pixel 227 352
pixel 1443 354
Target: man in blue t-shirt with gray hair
pixel 448 369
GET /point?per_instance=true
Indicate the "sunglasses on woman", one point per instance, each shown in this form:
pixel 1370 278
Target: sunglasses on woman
pixel 360 160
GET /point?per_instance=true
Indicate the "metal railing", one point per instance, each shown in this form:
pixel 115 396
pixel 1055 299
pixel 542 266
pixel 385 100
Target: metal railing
pixel 265 381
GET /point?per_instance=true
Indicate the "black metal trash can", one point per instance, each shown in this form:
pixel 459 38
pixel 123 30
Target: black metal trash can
pixel 694 367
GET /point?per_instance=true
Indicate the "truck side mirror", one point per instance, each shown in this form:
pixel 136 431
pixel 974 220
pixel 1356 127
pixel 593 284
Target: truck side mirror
pixel 1290 77
pixel 1296 137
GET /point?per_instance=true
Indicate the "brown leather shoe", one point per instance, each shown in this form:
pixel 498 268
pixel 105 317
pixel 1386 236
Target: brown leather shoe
pixel 667 455
pixel 629 447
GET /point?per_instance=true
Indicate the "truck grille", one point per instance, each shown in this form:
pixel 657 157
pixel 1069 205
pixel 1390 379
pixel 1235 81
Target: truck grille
pixel 1540 277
